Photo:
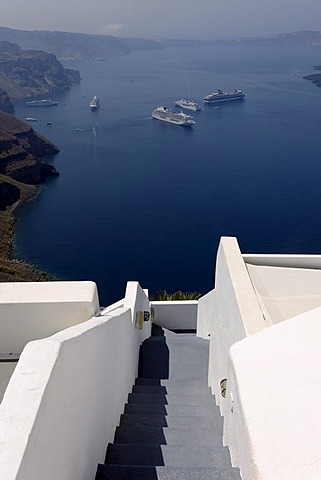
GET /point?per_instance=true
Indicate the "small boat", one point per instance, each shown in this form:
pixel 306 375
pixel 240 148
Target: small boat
pixel 188 105
pixel 46 102
pixel 95 103
pixel 49 124
pixel 31 119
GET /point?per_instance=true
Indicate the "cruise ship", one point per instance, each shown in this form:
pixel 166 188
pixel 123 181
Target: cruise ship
pixel 46 102
pixel 95 103
pixel 188 105
pixel 166 115
pixel 221 96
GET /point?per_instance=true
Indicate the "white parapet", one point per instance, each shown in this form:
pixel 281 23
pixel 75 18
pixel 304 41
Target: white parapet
pixel 235 313
pixel 205 315
pixel 274 397
pixel 34 310
pixel 64 400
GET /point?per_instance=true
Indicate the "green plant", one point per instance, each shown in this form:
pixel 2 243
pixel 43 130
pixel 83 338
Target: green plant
pixel 162 295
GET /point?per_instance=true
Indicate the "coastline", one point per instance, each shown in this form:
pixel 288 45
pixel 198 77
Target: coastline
pixel 11 269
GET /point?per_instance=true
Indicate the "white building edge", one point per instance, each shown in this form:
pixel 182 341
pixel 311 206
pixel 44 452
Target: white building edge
pixel 78 363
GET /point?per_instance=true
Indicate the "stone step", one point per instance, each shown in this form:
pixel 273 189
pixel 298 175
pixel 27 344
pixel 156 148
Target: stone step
pixel 167 455
pixel 159 409
pixel 202 383
pixel 175 421
pixel 154 360
pixel 119 472
pixel 171 389
pixel 200 399
pixel 168 436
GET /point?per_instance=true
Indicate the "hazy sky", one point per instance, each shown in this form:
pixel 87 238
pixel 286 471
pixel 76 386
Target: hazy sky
pixel 201 19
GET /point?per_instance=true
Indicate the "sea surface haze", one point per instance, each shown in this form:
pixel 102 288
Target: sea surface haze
pixel 141 200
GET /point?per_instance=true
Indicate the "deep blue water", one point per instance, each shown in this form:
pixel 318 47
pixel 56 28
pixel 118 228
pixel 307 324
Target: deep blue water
pixel 141 200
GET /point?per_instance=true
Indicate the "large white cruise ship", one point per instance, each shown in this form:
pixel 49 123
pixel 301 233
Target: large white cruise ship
pixel 188 105
pixel 166 115
pixel 221 96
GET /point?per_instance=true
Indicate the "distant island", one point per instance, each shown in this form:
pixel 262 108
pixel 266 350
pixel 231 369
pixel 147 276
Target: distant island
pixel 81 46
pixel 314 77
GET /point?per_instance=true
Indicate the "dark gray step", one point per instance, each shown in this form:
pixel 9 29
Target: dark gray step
pixel 118 472
pixel 154 340
pixel 168 455
pixel 154 361
pixel 175 421
pixel 171 399
pixel 171 389
pixel 159 409
pixel 202 383
pixel 149 389
pixel 168 436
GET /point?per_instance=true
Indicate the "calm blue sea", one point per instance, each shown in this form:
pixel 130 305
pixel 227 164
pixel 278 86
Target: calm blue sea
pixel 141 200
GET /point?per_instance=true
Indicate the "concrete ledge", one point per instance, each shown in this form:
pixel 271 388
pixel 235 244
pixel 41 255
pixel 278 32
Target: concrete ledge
pixel 32 310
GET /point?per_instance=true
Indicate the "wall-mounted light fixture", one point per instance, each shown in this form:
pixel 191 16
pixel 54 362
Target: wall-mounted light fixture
pixel 223 387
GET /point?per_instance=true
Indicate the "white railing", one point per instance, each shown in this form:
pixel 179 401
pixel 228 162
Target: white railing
pixel 65 397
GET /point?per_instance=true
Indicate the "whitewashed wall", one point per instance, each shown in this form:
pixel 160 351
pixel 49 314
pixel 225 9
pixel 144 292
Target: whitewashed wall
pixel 34 310
pixel 274 426
pixel 236 311
pixel 205 315
pixel 176 315
pixel 65 397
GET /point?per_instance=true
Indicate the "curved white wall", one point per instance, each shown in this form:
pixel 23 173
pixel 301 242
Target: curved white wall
pixel 236 310
pixel 274 428
pixel 34 310
pixel 65 397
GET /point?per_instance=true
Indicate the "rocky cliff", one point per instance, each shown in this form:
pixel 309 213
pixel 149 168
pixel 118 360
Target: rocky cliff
pixel 26 73
pixel 21 170
pixel 20 151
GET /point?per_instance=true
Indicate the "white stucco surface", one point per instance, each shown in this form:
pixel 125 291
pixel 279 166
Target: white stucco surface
pixel 205 315
pixel 285 292
pixel 236 314
pixel 274 386
pixel 176 315
pixel 6 371
pixel 283 260
pixel 64 400
pixel 34 310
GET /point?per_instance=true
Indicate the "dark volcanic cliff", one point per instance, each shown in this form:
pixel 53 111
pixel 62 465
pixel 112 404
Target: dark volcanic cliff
pixel 21 170
pixel 20 151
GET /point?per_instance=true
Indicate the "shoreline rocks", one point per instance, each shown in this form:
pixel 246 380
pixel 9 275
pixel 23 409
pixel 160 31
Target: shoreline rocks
pixel 21 171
